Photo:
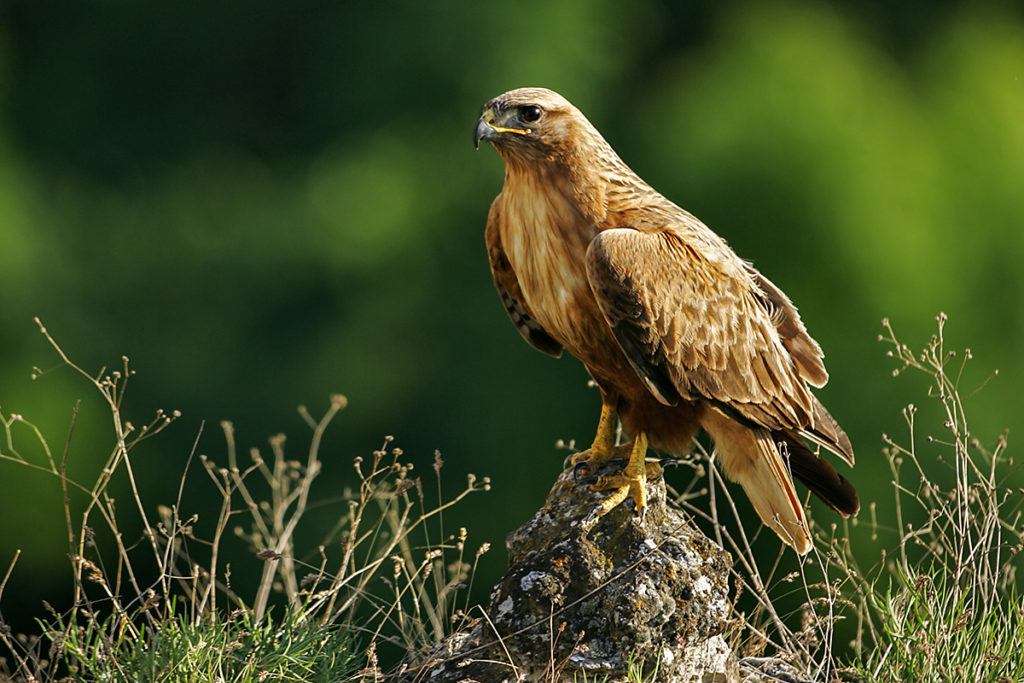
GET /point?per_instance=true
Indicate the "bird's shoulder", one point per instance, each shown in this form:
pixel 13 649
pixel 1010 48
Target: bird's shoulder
pixel 674 234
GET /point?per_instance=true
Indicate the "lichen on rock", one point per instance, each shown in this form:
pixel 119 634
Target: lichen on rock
pixel 598 596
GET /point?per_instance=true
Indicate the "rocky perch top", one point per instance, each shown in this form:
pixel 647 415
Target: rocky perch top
pixel 601 598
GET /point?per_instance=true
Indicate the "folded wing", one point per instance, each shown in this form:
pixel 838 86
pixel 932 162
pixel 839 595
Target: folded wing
pixel 700 324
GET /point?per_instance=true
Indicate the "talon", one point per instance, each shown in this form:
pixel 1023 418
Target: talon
pixel 656 470
pixel 577 469
pixel 630 483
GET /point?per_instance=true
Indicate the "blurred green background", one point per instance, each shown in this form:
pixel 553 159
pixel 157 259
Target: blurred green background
pixel 261 203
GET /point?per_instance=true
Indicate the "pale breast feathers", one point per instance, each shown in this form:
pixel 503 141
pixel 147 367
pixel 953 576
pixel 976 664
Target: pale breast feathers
pixel 511 294
pixel 536 228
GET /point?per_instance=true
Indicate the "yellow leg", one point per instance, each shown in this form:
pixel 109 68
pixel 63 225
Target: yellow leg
pixel 603 449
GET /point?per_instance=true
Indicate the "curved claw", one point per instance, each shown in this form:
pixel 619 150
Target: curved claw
pixel 656 471
pixel 577 468
pixel 588 481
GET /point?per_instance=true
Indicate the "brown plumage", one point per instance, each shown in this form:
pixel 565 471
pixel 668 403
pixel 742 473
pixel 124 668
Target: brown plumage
pixel 678 332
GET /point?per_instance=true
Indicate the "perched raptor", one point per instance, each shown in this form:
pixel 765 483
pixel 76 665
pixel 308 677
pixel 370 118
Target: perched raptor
pixel 677 331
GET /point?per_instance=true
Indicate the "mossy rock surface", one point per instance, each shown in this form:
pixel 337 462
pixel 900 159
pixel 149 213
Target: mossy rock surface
pixel 595 597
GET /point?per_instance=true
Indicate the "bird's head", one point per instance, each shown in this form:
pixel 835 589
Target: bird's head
pixel 530 123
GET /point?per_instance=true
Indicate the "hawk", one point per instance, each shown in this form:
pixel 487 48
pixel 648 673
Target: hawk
pixel 676 330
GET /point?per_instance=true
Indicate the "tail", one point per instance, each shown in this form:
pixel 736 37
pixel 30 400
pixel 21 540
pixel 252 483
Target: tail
pixel 818 475
pixel 750 458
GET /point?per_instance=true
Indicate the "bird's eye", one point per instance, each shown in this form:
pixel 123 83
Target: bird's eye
pixel 529 113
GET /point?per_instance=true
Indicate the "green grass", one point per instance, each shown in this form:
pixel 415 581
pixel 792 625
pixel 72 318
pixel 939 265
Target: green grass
pixel 939 599
pixel 236 648
pixel 934 633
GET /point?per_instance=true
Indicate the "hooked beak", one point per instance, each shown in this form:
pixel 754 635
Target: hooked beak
pixel 483 131
pixel 486 128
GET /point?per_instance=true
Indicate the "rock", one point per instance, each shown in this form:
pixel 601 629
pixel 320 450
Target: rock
pixel 770 670
pixel 599 597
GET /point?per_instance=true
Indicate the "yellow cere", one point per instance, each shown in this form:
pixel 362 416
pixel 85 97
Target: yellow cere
pixel 517 131
pixel 488 118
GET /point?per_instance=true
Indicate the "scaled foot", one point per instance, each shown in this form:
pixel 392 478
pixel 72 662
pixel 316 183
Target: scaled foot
pixel 630 483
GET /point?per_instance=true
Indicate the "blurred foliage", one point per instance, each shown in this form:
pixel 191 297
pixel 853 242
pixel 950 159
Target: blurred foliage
pixel 261 203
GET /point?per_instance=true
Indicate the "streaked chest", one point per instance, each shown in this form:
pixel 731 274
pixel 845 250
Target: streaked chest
pixel 545 238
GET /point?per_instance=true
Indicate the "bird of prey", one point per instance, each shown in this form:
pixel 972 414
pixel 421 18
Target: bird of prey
pixel 676 330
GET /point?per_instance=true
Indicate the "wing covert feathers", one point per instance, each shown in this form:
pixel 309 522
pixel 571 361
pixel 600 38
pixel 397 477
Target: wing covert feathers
pixel 698 326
